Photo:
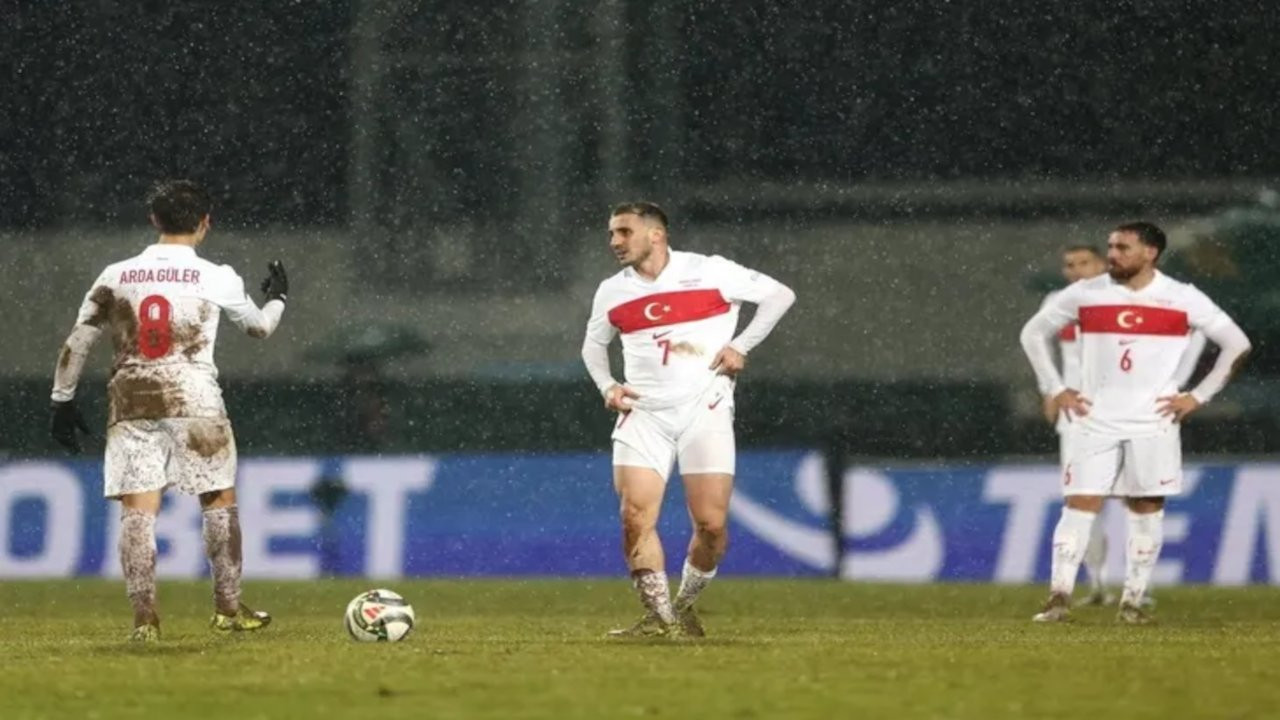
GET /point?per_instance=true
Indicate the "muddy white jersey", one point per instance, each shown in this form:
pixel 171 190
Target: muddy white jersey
pixel 162 307
pixel 1131 343
pixel 672 327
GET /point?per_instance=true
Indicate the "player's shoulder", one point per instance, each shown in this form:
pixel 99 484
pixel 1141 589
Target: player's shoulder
pixel 111 273
pixel 1176 284
pixel 219 272
pixel 134 259
pixel 114 273
pixel 1097 282
pixel 696 260
pixel 1182 289
pixel 710 265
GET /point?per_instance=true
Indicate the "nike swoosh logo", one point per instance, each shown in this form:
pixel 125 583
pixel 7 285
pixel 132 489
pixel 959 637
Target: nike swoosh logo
pixel 658 336
pixel 713 405
pixel 1168 482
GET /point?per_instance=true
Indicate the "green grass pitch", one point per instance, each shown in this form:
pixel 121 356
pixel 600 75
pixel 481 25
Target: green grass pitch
pixel 534 649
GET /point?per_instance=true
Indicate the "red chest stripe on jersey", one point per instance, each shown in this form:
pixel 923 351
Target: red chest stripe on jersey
pixel 1067 333
pixel 1133 320
pixel 667 308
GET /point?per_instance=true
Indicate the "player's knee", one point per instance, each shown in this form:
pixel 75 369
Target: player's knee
pixel 716 528
pixel 638 516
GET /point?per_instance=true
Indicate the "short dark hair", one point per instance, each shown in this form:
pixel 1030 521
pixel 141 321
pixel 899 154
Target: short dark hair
pixel 1091 249
pixel 644 209
pixel 1148 234
pixel 178 206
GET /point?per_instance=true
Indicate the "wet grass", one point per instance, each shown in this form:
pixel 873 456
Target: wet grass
pixel 516 649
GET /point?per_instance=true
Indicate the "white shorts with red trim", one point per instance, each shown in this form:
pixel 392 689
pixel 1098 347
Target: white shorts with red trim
pixel 1148 466
pixel 194 455
pixel 699 433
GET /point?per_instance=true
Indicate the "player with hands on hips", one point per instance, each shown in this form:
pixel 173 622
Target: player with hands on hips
pixel 1124 432
pixel 676 314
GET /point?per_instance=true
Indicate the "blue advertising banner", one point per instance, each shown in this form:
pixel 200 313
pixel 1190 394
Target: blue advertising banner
pixel 515 514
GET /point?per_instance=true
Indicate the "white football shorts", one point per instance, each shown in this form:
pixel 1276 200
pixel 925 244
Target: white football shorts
pixel 1149 466
pixel 699 433
pixel 194 455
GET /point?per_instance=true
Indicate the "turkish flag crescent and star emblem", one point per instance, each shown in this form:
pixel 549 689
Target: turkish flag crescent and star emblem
pixel 668 308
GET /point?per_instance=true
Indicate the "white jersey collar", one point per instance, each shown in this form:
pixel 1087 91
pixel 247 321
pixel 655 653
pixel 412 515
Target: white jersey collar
pixel 168 249
pixel 673 258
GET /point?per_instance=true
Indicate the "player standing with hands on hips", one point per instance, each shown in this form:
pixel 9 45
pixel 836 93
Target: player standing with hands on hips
pixel 677 313
pixel 1081 262
pixel 167 425
pixel 1124 435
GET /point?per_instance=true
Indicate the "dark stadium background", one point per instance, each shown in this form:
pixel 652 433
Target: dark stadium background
pixel 437 174
pixel 437 177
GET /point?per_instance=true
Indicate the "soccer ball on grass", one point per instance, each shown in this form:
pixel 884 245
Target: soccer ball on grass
pixel 378 616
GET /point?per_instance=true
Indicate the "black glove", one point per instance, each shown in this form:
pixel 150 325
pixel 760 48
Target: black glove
pixel 276 285
pixel 64 418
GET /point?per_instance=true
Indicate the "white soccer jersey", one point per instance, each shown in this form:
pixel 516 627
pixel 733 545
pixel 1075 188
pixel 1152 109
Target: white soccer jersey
pixel 673 326
pixel 1131 343
pixel 162 307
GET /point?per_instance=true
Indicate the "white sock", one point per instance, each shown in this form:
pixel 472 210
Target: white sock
pixel 1095 557
pixel 692 583
pixel 1146 537
pixel 655 593
pixel 1069 540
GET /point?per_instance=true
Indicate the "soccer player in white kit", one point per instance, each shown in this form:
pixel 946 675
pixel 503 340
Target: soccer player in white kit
pixel 1079 262
pixel 1124 435
pixel 167 425
pixel 676 313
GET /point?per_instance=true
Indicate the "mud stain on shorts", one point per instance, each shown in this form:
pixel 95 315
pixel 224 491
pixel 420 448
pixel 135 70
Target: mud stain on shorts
pixel 142 397
pixel 207 438
pixel 64 358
